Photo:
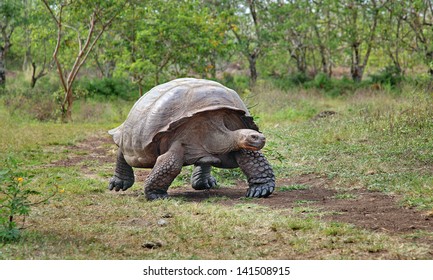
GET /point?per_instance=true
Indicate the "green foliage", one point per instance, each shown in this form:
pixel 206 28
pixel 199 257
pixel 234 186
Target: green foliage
pixel 238 83
pixel 15 202
pixel 109 88
pixel 322 81
pixel 166 39
pixel 299 78
pixel 389 76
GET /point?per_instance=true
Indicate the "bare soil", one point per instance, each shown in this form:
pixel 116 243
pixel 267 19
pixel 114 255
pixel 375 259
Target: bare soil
pixel 365 209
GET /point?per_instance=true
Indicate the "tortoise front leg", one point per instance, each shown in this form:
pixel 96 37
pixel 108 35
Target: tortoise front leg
pixel 201 179
pixel 261 179
pixel 123 175
pixel 166 168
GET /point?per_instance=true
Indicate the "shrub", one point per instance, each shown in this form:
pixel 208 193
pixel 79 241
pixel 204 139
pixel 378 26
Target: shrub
pixel 14 199
pixel 322 81
pixel 238 83
pixel 109 87
pixel 389 76
pixel 299 78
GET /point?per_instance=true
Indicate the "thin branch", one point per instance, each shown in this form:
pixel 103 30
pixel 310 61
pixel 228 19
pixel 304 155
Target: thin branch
pixel 51 11
pixel 59 39
pixel 372 34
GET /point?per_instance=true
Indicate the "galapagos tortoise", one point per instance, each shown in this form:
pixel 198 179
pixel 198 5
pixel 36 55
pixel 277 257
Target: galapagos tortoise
pixel 190 122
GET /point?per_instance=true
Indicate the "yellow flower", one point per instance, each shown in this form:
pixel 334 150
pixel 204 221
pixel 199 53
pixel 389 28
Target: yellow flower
pixel 20 180
pixel 62 191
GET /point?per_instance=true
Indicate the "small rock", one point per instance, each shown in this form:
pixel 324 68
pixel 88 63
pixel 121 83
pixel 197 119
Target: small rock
pixel 152 245
pixel 168 215
pixel 162 222
pixel 323 114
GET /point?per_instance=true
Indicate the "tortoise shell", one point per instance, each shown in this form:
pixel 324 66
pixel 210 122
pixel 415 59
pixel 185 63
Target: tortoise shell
pixel 168 105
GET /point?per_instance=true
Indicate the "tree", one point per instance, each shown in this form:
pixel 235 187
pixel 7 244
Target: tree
pixel 395 36
pixel 358 25
pixel 170 38
pixel 293 31
pixel 10 16
pixel 419 16
pixel 248 24
pixel 325 35
pixel 73 19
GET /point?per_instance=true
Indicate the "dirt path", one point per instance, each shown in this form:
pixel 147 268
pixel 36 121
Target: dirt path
pixel 369 210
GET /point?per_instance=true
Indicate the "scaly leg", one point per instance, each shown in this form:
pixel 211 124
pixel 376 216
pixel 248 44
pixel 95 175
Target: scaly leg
pixel 261 179
pixel 201 178
pixel 123 175
pixel 166 168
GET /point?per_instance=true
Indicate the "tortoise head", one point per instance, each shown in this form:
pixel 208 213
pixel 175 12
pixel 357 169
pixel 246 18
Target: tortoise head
pixel 249 139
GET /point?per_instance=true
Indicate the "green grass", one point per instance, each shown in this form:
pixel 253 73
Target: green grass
pixel 293 188
pixel 98 226
pixel 378 141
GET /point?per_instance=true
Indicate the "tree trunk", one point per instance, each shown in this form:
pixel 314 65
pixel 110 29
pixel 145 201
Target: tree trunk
pixel 67 106
pixel 140 89
pixel 2 68
pixel 357 73
pixel 253 69
pixel 35 77
pixel 212 61
pixel 356 69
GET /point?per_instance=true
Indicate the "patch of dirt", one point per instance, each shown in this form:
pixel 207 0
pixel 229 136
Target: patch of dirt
pixel 99 148
pixel 365 209
pixel 369 210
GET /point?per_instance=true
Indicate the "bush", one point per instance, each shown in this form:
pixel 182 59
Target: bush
pixel 299 78
pixel 322 81
pixel 109 87
pixel 331 86
pixel 389 76
pixel 288 82
pixel 238 83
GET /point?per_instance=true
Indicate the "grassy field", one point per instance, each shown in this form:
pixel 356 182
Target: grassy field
pixel 377 142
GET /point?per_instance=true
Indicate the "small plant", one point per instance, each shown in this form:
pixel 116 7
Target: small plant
pixel 15 203
pixel 294 187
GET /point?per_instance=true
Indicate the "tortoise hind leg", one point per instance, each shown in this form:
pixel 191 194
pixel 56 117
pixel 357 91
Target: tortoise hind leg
pixel 123 177
pixel 261 179
pixel 201 179
pixel 166 168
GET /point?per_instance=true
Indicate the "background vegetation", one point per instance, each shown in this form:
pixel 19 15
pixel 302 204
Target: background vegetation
pixel 71 70
pixel 127 47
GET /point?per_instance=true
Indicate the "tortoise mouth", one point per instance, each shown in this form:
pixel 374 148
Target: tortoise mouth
pixel 254 143
pixel 252 148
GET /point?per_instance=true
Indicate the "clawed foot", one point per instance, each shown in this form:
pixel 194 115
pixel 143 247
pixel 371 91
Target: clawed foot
pixel 261 190
pixel 118 184
pixel 156 195
pixel 204 183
